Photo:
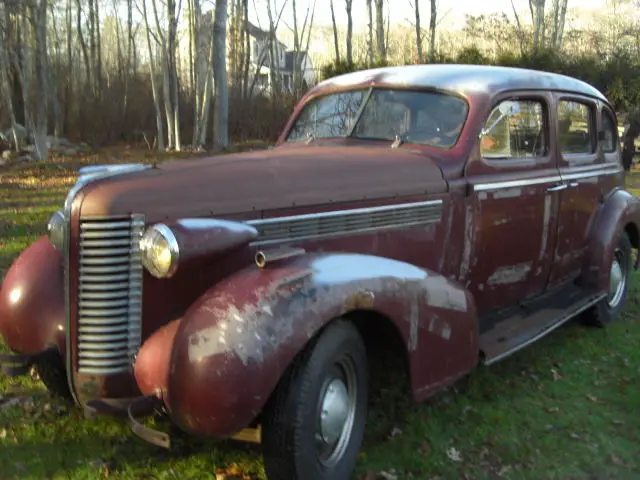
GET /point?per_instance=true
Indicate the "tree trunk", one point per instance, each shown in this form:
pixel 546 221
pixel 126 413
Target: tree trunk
pixel 381 53
pixel 83 44
pixel 418 33
pixel 39 19
pixel 221 114
pixel 348 5
pixel 335 33
pixel 370 33
pixel 154 88
pixel 433 22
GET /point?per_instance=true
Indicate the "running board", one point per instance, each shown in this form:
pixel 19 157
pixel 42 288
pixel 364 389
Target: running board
pixel 519 331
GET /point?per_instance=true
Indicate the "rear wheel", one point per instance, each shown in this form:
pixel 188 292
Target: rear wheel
pixel 609 308
pixel 314 422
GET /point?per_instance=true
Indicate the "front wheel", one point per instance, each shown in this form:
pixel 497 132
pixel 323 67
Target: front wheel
pixel 314 423
pixel 610 307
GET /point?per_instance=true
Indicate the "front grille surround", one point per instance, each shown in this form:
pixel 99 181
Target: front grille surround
pixel 109 307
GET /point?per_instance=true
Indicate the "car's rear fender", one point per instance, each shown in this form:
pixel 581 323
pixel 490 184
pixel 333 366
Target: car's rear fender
pixel 620 212
pixel 217 366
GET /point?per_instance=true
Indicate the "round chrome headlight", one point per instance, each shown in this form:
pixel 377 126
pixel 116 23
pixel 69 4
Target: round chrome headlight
pixel 55 230
pixel 160 251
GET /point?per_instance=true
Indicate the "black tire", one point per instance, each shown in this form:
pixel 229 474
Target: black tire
pixel 608 309
pixel 51 369
pixel 291 433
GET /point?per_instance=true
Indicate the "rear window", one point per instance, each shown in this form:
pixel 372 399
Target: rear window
pixel 575 127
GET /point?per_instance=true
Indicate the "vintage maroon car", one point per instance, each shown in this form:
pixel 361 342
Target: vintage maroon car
pixel 465 211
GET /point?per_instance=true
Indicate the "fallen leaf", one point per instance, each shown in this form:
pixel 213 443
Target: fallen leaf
pixel 3 434
pixel 617 422
pixel 390 475
pixel 504 470
pixel 370 475
pixel 424 448
pixel 556 375
pixel 616 460
pixel 552 409
pixel 395 432
pixel 454 454
pixel 594 399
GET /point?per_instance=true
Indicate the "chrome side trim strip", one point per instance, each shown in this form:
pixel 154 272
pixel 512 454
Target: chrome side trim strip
pixel 352 221
pixel 483 187
pixel 340 213
pixel 570 175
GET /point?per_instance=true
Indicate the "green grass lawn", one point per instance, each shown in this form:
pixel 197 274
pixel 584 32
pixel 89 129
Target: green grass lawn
pixel 566 407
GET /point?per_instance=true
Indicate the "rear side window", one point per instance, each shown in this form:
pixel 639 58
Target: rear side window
pixel 575 127
pixel 610 129
pixel 515 129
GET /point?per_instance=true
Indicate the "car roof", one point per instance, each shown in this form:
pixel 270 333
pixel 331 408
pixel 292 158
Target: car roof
pixel 470 80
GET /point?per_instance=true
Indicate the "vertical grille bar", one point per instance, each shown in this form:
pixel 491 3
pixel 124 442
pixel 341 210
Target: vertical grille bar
pixel 110 293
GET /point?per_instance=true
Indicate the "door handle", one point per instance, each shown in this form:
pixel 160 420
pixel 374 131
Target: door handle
pixel 557 188
pixel 573 184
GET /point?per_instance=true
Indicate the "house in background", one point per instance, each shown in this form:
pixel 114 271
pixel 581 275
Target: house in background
pixel 283 66
pixel 260 66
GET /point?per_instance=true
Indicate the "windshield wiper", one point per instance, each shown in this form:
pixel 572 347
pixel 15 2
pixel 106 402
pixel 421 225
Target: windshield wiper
pixel 399 140
pixel 310 138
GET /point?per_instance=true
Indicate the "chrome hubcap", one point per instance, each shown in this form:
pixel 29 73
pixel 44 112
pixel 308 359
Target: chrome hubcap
pixel 617 281
pixel 337 408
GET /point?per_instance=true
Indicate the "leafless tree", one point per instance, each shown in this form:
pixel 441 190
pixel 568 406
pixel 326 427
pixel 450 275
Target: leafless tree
pixel 349 5
pixel 381 51
pixel 433 23
pixel 221 113
pixel 335 32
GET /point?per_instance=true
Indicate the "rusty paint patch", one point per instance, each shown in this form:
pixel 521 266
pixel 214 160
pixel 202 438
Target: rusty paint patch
pixel 545 226
pixel 414 319
pixel 508 193
pixel 468 241
pixel 440 294
pixel 359 300
pixel 510 274
pixel 440 327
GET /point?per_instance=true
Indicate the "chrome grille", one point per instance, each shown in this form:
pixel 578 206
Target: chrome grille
pixel 110 293
pixel 360 220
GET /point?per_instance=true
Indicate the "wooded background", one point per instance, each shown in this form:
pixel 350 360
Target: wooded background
pixel 179 73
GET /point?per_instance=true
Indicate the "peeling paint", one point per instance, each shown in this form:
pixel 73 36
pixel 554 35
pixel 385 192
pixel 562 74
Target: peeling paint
pixel 510 274
pixel 508 193
pixel 440 294
pixel 545 226
pixel 414 319
pixel 468 240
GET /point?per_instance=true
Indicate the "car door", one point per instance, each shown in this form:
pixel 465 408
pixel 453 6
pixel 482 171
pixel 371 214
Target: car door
pixel 511 224
pixel 580 165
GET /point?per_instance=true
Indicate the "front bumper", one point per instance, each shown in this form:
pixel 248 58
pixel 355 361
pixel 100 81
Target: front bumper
pixel 151 406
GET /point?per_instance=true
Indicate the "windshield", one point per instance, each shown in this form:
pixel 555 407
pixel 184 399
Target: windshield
pixel 428 118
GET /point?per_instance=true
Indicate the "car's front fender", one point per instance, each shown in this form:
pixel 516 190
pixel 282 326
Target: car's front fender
pixel 32 308
pixel 217 366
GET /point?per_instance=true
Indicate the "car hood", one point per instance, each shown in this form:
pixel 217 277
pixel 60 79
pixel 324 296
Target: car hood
pixel 246 185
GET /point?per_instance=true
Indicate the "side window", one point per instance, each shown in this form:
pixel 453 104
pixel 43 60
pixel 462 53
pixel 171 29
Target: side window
pixel 515 129
pixel 610 143
pixel 575 127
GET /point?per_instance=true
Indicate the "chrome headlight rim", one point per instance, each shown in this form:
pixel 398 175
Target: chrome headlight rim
pixel 147 241
pixel 56 230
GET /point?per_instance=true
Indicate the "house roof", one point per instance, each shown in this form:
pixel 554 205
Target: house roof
pixel 256 31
